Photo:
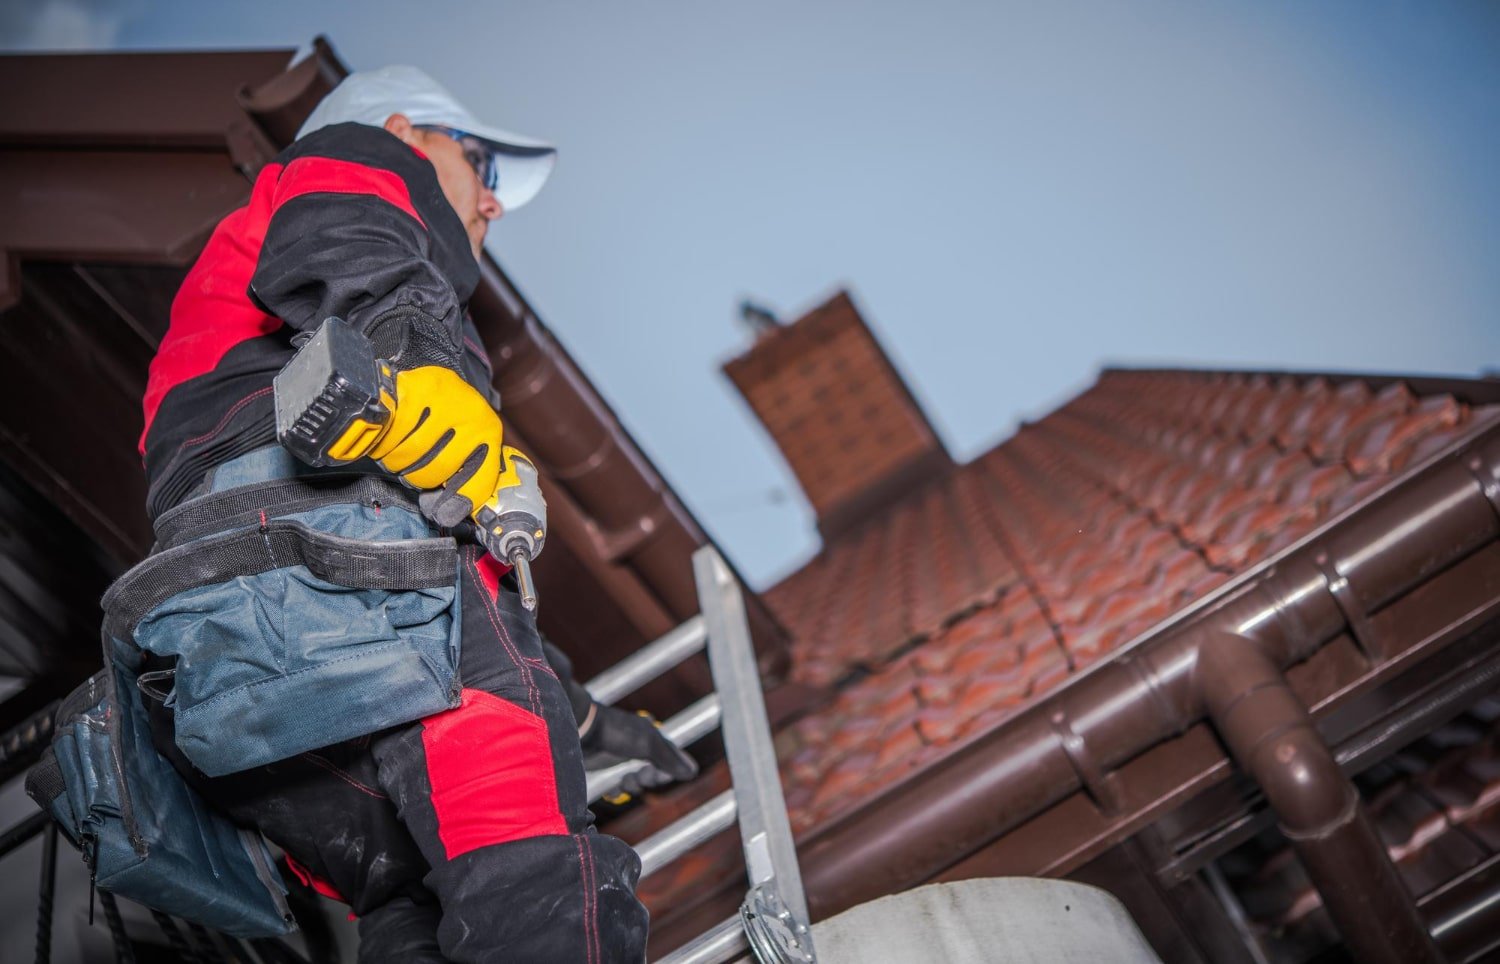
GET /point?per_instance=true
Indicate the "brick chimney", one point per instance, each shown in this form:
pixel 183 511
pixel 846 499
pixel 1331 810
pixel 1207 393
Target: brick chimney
pixel 845 421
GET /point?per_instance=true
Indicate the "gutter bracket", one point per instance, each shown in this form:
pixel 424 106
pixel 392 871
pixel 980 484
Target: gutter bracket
pixel 617 545
pixel 1488 483
pixel 1101 787
pixel 1343 596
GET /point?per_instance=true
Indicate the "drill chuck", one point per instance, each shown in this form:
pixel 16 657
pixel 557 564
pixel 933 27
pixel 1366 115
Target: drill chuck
pixel 513 524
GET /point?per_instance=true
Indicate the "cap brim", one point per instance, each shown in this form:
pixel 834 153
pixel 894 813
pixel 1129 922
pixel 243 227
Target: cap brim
pixel 523 165
pixel 370 97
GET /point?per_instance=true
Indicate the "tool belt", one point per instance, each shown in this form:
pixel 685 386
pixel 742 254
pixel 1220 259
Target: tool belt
pixel 294 609
pixel 296 612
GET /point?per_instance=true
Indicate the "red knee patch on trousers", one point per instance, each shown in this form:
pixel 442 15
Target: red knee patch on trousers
pixel 490 766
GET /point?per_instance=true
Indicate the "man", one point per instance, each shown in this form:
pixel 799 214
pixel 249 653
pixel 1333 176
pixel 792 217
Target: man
pixel 456 830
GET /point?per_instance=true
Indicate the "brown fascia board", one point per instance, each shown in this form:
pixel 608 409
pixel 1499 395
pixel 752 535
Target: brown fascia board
pixel 627 515
pixel 135 101
pixel 1079 737
pixel 122 157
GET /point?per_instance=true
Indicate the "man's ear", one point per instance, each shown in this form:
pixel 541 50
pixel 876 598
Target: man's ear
pixel 400 125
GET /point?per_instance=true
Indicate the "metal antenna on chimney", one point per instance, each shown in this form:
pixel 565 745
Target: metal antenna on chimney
pixel 758 318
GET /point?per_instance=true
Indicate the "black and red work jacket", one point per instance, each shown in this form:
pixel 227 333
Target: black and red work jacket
pixel 348 221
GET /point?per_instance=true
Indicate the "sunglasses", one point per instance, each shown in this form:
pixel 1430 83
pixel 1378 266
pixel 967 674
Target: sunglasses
pixel 480 157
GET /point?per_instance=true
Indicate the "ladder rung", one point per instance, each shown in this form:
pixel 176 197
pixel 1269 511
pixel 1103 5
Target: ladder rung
pixel 649 662
pixel 677 838
pixel 694 723
pixel 684 729
pixel 725 942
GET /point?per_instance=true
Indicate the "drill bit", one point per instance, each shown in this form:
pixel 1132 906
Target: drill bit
pixel 520 561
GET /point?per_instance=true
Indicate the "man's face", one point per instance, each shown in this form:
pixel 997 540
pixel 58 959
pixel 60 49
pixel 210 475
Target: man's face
pixel 456 163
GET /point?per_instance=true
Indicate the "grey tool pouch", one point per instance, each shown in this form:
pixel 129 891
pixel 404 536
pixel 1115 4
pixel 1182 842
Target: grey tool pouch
pixel 145 834
pixel 333 614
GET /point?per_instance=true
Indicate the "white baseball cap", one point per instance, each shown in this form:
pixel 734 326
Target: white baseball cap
pixel 371 96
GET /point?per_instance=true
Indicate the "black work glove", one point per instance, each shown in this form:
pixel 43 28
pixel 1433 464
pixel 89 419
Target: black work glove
pixel 611 735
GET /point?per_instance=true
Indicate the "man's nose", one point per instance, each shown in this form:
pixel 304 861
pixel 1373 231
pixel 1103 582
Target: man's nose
pixel 490 206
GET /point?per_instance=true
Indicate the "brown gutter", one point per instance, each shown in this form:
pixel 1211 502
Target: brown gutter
pixel 112 158
pixel 1465 912
pixel 1072 740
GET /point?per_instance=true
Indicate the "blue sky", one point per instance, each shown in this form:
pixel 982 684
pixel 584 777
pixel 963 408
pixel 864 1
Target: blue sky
pixel 1015 194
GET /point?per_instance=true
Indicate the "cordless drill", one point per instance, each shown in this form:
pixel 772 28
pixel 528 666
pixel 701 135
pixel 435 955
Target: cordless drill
pixel 335 379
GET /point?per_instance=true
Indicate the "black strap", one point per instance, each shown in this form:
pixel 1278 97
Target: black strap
pixel 356 563
pixel 242 506
pixel 44 781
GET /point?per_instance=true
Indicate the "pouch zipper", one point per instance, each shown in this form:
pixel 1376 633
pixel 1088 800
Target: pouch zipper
pixel 89 847
pixel 255 846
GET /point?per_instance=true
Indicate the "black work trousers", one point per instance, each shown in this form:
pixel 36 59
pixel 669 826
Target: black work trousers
pixel 465 836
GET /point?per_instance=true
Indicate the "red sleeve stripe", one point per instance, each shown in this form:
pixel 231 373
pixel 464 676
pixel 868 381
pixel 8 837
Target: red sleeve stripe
pixel 325 175
pixel 211 313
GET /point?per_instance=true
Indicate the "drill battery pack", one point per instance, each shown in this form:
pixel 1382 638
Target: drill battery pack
pixel 333 379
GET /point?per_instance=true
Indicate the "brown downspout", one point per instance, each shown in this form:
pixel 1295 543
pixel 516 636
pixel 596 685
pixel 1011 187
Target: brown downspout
pixel 1271 737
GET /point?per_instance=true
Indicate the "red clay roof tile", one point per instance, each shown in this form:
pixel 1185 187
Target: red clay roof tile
pixel 1101 520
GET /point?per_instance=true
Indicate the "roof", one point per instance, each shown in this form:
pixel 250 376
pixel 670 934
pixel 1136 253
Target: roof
pixel 938 622
pixel 1105 516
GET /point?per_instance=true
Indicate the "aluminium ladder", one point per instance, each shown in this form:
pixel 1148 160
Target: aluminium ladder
pixel 773 921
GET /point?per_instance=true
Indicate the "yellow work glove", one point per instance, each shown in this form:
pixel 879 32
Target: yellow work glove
pixel 442 433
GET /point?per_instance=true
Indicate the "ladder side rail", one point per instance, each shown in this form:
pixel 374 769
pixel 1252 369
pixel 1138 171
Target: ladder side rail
pixel 770 855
